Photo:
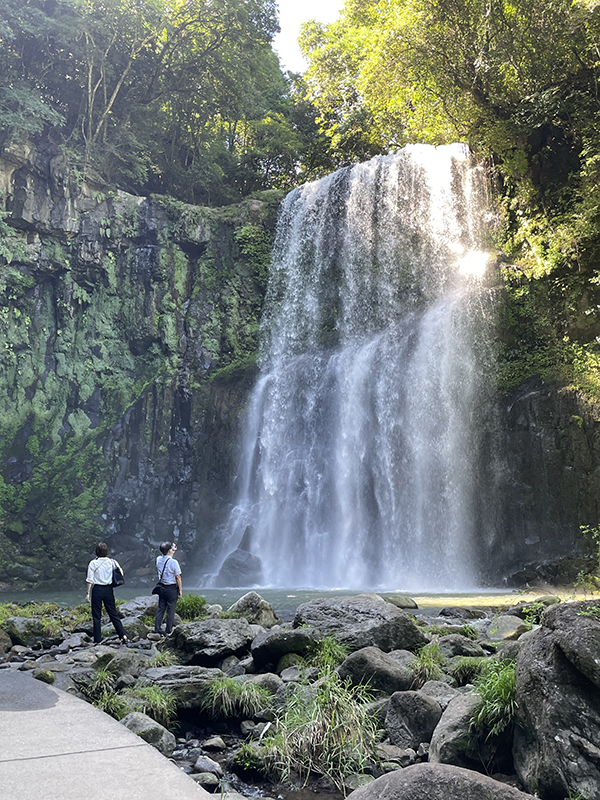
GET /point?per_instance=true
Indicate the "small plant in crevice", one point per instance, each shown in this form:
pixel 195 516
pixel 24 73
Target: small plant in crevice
pixel 428 666
pixel 492 721
pixel 166 658
pixel 590 611
pixel 226 697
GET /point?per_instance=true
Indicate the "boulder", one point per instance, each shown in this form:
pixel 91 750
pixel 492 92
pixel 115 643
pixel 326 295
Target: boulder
pixel 139 606
pixel 206 764
pixel 188 684
pixel 232 666
pixel 28 631
pixel 442 692
pixel 379 670
pixel 240 568
pixel 256 610
pixel 209 641
pixel 557 732
pixel 5 642
pixel 270 646
pixel 411 718
pixel 124 662
pixel 400 600
pixel 207 780
pixel 361 621
pixel 150 731
pixel 460 612
pixel 437 782
pixel 506 626
pixel 451 740
pixel 456 645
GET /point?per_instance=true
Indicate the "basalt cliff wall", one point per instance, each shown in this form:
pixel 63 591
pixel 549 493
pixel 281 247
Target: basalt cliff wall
pixel 128 341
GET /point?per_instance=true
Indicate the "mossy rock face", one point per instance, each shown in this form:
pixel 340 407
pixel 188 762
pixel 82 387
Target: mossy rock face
pixel 117 312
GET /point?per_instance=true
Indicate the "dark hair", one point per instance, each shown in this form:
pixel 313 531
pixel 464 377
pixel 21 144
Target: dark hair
pixel 101 550
pixel 165 547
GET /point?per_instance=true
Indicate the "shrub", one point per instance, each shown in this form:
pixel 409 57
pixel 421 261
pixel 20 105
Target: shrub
pixel 112 703
pixel 167 658
pixel 228 698
pixel 332 735
pixel 191 607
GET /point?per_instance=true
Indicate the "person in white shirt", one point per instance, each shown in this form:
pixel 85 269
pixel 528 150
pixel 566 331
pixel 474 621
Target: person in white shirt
pixel 99 591
pixel 169 577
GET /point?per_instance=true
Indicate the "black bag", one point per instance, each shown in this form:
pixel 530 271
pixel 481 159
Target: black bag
pixel 117 578
pixel 159 586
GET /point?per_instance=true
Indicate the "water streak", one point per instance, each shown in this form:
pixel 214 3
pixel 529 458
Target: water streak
pixel 360 463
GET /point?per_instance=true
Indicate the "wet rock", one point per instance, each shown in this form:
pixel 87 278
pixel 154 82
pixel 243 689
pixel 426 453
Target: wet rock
pixel 208 642
pixel 441 692
pixel 437 782
pixel 557 728
pixel 188 684
pixel 456 645
pixel 361 621
pixel 411 718
pixel 451 740
pixel 206 764
pixel 150 731
pixel 269 647
pixel 377 669
pixel 256 610
pixel 506 627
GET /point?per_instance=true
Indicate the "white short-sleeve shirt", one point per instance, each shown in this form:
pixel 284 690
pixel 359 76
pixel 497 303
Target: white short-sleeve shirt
pixel 100 571
pixel 171 569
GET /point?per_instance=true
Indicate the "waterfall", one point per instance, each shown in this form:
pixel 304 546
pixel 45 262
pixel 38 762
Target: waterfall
pixel 361 461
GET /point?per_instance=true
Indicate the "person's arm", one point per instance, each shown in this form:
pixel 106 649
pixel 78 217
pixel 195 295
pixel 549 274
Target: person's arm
pixel 178 579
pixel 89 589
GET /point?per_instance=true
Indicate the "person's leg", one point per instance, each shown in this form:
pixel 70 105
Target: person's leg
pixel 172 595
pixel 96 603
pixel 111 610
pixel 160 611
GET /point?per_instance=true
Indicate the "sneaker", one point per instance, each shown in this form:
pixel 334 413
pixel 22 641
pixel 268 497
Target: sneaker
pixel 124 640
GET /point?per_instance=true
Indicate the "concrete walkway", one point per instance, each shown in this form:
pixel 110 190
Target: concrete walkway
pixel 58 747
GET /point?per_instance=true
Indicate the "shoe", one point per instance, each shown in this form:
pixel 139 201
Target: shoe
pixel 124 640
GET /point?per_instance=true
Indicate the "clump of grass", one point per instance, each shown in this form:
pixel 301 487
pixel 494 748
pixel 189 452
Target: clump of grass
pixel 465 669
pixel 228 698
pixel 496 684
pixel 156 702
pixel 326 653
pixel 332 735
pixel 428 666
pixel 167 658
pixel 191 607
pixel 112 703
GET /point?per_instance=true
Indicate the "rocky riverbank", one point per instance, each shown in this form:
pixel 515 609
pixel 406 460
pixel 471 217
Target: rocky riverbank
pixel 355 694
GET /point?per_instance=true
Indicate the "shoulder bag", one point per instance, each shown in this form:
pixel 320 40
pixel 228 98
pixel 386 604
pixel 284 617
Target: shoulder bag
pixel 158 588
pixel 117 576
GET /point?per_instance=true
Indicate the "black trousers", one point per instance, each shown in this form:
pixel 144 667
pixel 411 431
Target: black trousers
pixel 167 599
pixel 104 594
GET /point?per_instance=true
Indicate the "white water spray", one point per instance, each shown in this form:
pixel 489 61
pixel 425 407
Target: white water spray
pixel 360 462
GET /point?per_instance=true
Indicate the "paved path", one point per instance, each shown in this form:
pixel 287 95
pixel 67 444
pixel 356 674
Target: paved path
pixel 54 746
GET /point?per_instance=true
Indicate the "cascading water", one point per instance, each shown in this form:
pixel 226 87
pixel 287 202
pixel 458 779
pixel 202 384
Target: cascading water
pixel 360 463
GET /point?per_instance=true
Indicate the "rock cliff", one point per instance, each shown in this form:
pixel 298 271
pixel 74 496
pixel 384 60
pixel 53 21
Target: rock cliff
pixel 128 339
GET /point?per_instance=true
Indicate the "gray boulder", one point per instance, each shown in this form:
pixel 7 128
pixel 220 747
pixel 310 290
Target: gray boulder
pixel 451 740
pixel 5 642
pixel 188 684
pixel 206 764
pixel 361 621
pixel 456 645
pixel 208 642
pixel 256 610
pixel 411 719
pixel 506 626
pixel 240 568
pixel 442 692
pixel 270 646
pixel 437 782
pixel 150 731
pixel 28 631
pixel 557 732
pixel 124 662
pixel 379 670
pixel 145 604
